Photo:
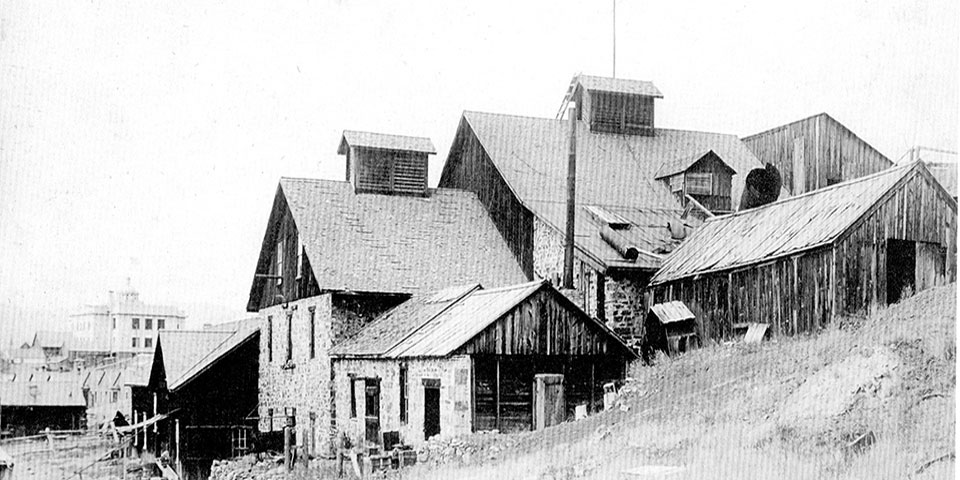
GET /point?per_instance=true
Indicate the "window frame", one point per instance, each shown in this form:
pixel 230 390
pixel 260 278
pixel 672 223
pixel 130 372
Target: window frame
pixel 161 324
pixel 313 332
pixel 692 187
pixel 404 397
pixel 135 324
pixel 148 324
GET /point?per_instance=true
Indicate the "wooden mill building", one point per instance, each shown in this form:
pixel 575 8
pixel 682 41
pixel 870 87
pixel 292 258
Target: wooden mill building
pixel 633 180
pixel 816 152
pixel 467 359
pixel 798 263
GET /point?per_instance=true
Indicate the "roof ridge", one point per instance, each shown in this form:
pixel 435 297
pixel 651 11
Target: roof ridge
pixel 518 286
pixel 656 129
pixel 384 134
pixel 818 191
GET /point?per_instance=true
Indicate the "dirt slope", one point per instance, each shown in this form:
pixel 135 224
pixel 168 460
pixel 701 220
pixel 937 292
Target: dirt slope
pixel 865 399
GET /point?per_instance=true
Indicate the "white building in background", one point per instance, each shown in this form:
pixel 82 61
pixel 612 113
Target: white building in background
pixel 125 325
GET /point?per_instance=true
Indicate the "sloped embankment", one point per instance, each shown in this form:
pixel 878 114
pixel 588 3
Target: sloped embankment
pixel 870 398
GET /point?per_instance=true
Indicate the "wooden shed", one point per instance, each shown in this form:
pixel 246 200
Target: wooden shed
pixel 469 359
pixel 798 263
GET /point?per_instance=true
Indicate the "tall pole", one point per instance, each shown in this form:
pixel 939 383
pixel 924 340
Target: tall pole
pixel 571 200
pixel 614 38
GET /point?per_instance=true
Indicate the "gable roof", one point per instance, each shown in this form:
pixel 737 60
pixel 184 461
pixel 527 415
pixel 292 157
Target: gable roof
pixel 179 350
pixel 243 335
pixel 618 85
pixel 438 325
pixel 796 224
pixel 826 118
pixel 390 243
pixel 616 172
pixel 384 141
pixel 51 339
pixel 682 164
pixel 42 394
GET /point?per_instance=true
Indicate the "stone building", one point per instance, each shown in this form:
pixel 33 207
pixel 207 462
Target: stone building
pixel 466 359
pixel 336 254
pixel 636 185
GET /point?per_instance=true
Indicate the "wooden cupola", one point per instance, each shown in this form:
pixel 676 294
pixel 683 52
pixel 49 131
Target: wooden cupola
pixel 703 176
pixel 614 105
pixel 386 164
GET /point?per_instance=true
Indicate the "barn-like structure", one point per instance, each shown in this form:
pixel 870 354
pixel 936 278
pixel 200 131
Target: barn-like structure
pixel 798 263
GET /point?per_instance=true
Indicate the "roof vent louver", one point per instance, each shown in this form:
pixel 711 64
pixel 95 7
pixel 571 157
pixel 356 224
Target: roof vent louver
pixel 388 164
pixel 615 105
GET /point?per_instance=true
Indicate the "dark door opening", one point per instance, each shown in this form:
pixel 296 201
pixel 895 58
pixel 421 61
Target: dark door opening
pixel 431 408
pixel 372 410
pixel 901 269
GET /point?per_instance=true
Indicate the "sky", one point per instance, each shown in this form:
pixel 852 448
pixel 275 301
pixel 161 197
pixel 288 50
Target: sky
pixel 146 140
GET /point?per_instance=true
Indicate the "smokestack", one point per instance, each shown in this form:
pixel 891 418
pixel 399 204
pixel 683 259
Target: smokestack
pixel 761 187
pixel 571 202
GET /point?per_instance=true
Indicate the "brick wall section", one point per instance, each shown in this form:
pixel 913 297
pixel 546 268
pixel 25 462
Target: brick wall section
pixel 456 383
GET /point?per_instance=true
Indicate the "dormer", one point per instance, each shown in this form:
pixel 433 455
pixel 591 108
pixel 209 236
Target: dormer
pixel 386 164
pixel 703 176
pixel 615 105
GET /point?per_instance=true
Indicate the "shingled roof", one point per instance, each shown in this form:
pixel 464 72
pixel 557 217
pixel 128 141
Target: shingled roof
pixel 384 141
pixel 619 85
pixel 391 243
pixel 615 172
pixel 796 224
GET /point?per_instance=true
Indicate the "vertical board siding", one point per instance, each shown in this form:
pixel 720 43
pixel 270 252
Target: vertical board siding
pixel 801 293
pixel 472 170
pixel 830 152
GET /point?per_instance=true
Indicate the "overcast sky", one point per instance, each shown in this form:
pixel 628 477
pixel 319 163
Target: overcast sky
pixel 146 139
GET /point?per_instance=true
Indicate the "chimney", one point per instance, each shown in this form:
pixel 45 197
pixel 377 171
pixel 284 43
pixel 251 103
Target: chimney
pixel 386 164
pixel 615 105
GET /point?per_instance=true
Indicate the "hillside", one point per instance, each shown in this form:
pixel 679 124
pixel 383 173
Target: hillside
pixel 869 398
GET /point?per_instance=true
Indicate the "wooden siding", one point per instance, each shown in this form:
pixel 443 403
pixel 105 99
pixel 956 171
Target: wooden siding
pixel 721 179
pixel 388 171
pixel 828 153
pixel 471 169
pixel 615 112
pixel 542 325
pixel 293 288
pixel 804 292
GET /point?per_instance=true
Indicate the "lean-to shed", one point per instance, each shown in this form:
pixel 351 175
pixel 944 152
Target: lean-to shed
pixel 798 263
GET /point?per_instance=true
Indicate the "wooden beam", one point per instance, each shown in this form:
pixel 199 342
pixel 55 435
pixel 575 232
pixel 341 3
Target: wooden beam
pixel 593 385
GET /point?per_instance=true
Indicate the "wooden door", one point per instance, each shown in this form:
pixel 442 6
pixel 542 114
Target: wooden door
pixel 549 407
pixel 372 410
pixel 431 408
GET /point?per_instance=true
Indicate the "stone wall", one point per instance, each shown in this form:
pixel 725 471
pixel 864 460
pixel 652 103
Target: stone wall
pixel 453 372
pixel 624 304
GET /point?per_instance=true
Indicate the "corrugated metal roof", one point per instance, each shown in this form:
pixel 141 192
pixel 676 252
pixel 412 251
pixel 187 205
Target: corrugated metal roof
pixel 394 244
pixel 615 172
pixel 669 312
pixel 384 141
pixel 247 332
pixel 42 394
pixel 787 226
pixel 619 85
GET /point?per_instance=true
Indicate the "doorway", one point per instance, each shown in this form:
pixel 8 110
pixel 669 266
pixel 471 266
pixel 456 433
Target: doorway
pixel 901 269
pixel 372 409
pixel 431 407
pixel 549 407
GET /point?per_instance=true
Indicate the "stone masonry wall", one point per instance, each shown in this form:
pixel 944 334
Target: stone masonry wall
pixel 304 382
pixel 453 372
pixel 624 304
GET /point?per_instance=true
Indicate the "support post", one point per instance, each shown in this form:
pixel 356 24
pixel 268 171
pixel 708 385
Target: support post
pixel 593 386
pixel 497 395
pixel 571 201
pixel 176 439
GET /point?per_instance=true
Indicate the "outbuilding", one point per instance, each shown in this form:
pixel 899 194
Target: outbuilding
pixel 799 263
pixel 469 359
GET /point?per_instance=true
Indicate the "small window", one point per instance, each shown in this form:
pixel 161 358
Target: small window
pixel 289 337
pixel 280 263
pixel 148 324
pixel 114 323
pixel 134 342
pixel 161 324
pixel 135 324
pixel 270 419
pixel 699 183
pixel 313 332
pixel 299 257
pixel 403 393
pixel 353 397
pixel 147 342
pixel 270 338
pixel 676 183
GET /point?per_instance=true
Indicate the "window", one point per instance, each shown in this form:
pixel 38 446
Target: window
pixel 148 323
pixel 135 324
pixel 313 332
pixel 353 396
pixel 403 393
pixel 147 342
pixel 270 419
pixel 676 183
pixel 114 323
pixel 280 263
pixel 299 257
pixel 269 338
pixel 289 337
pixel 161 324
pixel 116 396
pixel 134 342
pixel 699 183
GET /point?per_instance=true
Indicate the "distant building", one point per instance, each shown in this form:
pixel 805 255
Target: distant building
pixel 109 389
pixel 125 325
pixel 38 401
